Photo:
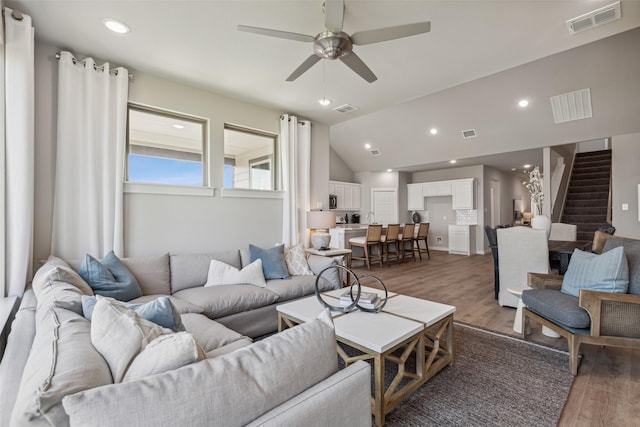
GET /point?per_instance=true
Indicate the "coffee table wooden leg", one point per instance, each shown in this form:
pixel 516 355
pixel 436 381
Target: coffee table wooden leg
pixel 379 403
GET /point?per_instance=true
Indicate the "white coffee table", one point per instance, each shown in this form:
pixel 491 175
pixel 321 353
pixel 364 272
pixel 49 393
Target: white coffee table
pixel 406 328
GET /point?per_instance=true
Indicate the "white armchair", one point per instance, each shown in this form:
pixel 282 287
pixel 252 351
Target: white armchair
pixel 520 250
pixel 562 231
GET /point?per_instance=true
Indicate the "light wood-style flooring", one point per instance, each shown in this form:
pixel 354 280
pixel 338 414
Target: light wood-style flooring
pixel 606 391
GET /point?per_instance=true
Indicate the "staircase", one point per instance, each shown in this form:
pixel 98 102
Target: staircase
pixel 588 193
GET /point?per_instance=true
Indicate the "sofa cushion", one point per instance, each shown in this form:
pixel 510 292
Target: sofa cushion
pixel 209 333
pixel 297 287
pixel 632 252
pixel 165 353
pixel 55 265
pixel 188 271
pixel 151 272
pixel 219 301
pixel 182 306
pixel 225 274
pixel 109 277
pixel 296 260
pixel 319 263
pixel 230 390
pixel 119 334
pixel 62 361
pixel 159 311
pixel 273 263
pixel 607 272
pixel 556 306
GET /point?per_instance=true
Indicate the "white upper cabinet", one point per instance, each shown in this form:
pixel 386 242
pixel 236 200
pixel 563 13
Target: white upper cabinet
pixel 348 194
pixel 462 192
pixel 415 197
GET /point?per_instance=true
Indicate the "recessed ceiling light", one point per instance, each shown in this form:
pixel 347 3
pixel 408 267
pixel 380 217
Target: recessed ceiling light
pixel 324 101
pixel 433 131
pixel 367 146
pixel 523 103
pixel 116 26
pixel 389 170
pixel 177 126
pixel 527 166
pixel 452 161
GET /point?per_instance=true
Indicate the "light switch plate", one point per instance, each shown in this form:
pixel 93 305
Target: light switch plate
pixel 625 206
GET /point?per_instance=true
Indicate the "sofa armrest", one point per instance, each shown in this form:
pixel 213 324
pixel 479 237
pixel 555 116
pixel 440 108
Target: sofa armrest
pixel 311 407
pixel 544 281
pixel 612 314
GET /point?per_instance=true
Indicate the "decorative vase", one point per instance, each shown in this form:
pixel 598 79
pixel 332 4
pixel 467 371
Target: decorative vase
pixel 541 222
pixel 415 217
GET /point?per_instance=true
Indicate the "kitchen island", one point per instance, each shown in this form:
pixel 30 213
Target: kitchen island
pixel 340 235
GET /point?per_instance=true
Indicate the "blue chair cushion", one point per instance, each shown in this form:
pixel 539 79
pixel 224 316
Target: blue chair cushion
pixel 556 306
pixel 607 272
pixel 273 261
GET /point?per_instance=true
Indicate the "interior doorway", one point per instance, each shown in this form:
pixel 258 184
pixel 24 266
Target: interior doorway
pixel 384 205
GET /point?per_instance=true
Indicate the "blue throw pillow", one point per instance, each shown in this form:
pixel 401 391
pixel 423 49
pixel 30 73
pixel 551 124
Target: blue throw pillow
pixel 159 311
pixel 607 272
pixel 273 263
pixel 109 278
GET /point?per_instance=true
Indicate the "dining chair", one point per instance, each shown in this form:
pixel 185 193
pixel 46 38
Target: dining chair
pixel 371 245
pixel 391 244
pixel 407 239
pixel 562 231
pixel 423 236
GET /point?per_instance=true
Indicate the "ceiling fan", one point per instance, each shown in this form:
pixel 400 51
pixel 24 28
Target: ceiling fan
pixel 336 44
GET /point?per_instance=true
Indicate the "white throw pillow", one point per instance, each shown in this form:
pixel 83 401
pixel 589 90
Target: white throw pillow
pixel 221 273
pixel 119 334
pixel 165 353
pixel 296 260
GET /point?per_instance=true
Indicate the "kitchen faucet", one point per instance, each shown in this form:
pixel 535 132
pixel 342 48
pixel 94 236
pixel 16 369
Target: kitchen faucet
pixel 371 217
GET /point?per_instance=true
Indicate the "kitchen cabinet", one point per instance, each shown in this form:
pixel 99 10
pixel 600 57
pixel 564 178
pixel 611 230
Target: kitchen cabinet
pixel 348 194
pixel 461 239
pixel 462 194
pixel 415 197
pixel 436 188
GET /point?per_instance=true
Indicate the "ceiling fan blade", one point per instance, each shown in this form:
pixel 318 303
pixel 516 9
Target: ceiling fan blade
pixel 308 63
pixel 390 33
pixel 276 33
pixel 333 15
pixel 354 62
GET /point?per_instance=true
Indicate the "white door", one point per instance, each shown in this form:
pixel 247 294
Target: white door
pixel 384 203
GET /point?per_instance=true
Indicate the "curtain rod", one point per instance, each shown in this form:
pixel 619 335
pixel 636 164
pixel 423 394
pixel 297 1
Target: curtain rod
pixel 95 67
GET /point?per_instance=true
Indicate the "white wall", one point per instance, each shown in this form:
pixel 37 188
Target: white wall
pixel 156 224
pixel 338 169
pixel 626 153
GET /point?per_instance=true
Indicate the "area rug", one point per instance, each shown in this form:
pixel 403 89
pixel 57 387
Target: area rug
pixel 495 380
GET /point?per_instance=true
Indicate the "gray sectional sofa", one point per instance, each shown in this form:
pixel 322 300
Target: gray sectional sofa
pixel 51 374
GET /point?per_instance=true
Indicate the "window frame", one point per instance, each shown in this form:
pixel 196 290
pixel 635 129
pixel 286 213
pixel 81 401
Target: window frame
pixel 167 188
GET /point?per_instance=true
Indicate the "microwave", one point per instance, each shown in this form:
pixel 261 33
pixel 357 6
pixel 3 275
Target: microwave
pixel 333 201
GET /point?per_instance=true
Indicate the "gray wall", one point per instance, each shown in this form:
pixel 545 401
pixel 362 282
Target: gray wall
pixel 338 169
pixel 626 178
pixel 154 223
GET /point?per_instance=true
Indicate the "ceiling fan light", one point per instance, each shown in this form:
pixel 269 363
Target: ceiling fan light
pixel 324 101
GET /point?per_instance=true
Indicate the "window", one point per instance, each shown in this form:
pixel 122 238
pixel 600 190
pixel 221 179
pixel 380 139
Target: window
pixel 166 148
pixel 249 159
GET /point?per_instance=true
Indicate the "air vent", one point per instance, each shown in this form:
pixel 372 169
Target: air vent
pixel 471 133
pixel 375 152
pixel 594 18
pixel 571 106
pixel 346 108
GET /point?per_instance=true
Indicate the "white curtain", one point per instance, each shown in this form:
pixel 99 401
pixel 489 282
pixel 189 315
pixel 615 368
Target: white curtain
pixel 17 143
pixel 88 199
pixel 295 154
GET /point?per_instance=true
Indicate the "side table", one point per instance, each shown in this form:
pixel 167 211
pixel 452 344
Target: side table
pixel 334 253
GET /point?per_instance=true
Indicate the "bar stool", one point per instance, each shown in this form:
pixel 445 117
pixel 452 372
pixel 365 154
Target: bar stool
pixel 423 236
pixel 407 240
pixel 368 243
pixel 389 241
